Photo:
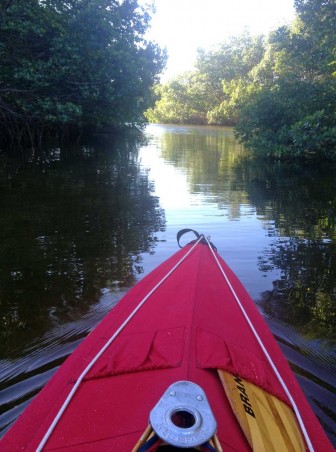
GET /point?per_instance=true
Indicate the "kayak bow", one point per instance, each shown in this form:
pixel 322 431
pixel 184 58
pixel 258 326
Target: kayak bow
pixel 185 360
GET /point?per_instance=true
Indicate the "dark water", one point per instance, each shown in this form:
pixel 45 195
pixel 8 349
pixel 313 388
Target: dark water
pixel 80 226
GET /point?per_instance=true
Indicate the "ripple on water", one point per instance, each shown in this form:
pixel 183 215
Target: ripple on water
pixel 22 378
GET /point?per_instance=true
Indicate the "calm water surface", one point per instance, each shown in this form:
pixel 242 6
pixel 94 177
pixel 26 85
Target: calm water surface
pixel 79 227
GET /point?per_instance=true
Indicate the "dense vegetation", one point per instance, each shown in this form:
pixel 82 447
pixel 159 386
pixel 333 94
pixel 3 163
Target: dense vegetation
pixel 279 91
pixel 71 66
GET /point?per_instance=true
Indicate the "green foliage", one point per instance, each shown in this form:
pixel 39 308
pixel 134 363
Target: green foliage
pixel 315 134
pixel 302 67
pixel 280 93
pixel 233 59
pixel 197 97
pixel 180 101
pixel 80 64
pixel 293 115
pixel 236 92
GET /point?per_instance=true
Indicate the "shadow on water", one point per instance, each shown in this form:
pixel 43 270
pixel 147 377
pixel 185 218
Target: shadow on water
pixel 73 228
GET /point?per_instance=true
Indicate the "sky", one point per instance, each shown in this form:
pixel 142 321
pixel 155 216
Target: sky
pixel 182 26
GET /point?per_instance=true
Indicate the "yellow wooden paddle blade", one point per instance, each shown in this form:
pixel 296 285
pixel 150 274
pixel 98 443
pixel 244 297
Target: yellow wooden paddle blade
pixel 267 422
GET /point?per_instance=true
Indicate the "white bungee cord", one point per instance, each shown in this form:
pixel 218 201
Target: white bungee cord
pixel 262 346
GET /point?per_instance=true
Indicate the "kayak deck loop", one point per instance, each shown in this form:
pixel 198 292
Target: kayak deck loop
pixel 200 237
pixel 182 419
pixel 183 416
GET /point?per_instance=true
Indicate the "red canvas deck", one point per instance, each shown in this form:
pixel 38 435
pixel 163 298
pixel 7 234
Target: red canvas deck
pixel 190 326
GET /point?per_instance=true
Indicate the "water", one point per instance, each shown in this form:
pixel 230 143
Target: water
pixel 79 227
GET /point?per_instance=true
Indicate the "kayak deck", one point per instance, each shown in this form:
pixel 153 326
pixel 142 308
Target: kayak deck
pixel 180 323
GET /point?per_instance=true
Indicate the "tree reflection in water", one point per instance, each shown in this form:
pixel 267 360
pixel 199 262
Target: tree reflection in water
pixel 298 206
pixel 72 224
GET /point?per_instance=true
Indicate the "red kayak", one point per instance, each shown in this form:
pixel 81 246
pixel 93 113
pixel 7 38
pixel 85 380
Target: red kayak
pixel 184 361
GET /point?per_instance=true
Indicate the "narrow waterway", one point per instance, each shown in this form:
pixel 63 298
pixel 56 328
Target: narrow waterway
pixel 79 227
